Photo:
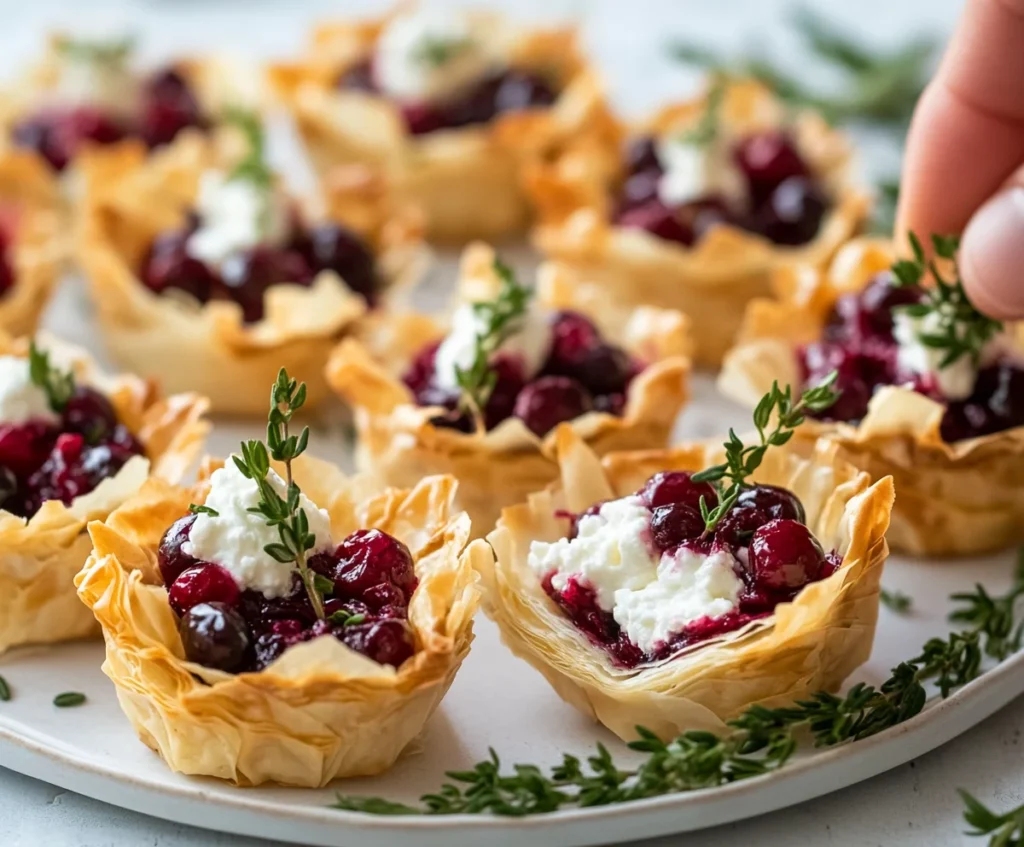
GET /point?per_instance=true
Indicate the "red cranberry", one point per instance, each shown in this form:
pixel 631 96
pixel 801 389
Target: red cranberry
pixel 169 265
pixel 288 627
pixel 89 413
pixel 784 554
pixel 421 370
pixel 330 246
pixel 58 134
pixel 422 118
pixel 169 555
pixel 369 557
pixel 604 369
pixel 673 524
pixel 551 400
pixel 245 277
pixel 261 612
pixel 610 404
pixel 658 219
pixel 996 404
pixel 6 271
pixel 880 297
pixel 793 213
pixel 510 381
pixel 774 501
pixel 738 526
pixel 24 447
pixel 267 649
pixel 168 107
pixel 700 216
pixel 667 487
pixel 215 636
pixel 388 642
pixel 572 336
pixel 855 381
pixel 767 159
pixel 580 605
pixel 385 596
pixel 641 155
pixel 203 583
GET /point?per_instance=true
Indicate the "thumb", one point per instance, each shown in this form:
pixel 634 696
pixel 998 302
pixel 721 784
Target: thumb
pixel 992 255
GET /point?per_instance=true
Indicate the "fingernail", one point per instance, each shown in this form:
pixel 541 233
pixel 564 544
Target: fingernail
pixel 992 255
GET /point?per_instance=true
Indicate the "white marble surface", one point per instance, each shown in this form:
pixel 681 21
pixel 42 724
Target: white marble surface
pixel 915 804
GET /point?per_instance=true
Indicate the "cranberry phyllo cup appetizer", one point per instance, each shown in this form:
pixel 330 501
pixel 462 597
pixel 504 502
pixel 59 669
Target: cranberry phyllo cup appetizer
pixel 74 445
pixel 87 94
pixel 932 390
pixel 277 622
pixel 650 594
pixel 699 207
pixel 449 104
pixel 33 240
pixel 482 401
pixel 209 275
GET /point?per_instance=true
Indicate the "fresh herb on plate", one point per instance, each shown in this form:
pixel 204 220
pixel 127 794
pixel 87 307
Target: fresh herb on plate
pixel 760 741
pixel 741 461
pixel 68 699
pixel 57 384
pixel 1007 829
pixel 961 330
pixel 5 690
pixel 498 319
pixel 897 601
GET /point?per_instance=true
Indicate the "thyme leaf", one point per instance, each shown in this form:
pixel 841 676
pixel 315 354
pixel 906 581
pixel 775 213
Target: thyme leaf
pixel 196 509
pixel 1007 829
pixel 435 52
pixel 704 131
pixel 67 699
pixel 57 384
pixel 897 601
pixel 5 690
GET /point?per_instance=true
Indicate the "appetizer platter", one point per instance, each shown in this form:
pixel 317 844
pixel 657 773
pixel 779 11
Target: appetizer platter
pixel 336 523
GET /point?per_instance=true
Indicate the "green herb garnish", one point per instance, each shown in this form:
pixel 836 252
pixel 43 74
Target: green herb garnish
pixel 253 166
pixel 113 51
pixel 960 329
pixel 759 741
pixel 286 397
pixel 704 131
pixel 741 461
pixel 5 690
pixel 435 52
pixel 59 385
pixel 498 318
pixel 196 509
pixel 343 618
pixel 1007 829
pixel 897 601
pixel 68 699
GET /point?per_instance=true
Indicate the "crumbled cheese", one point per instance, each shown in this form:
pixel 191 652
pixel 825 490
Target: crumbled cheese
pixel 21 400
pixel 530 341
pixel 693 170
pixel 235 215
pixel 650 597
pixel 430 54
pixel 234 538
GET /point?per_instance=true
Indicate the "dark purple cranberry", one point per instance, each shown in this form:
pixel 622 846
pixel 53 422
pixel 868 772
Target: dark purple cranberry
pixel 793 213
pixel 169 555
pixel 774 501
pixel 203 583
pixel 785 555
pixel 700 216
pixel 508 91
pixel 667 487
pixel 423 118
pixel 580 605
pixel 6 267
pixel 289 627
pixel 332 247
pixel 349 607
pixel 639 189
pixel 855 382
pixel 510 381
pixel 89 413
pixel 675 523
pixel 421 370
pixel 359 77
pixel 610 404
pixel 369 557
pixel 996 404
pixel 767 159
pixel 572 336
pixel 604 369
pixel 169 265
pixel 387 642
pixel 262 612
pixel 24 447
pixel 268 648
pixel 869 314
pixel 658 219
pixel 168 107
pixel 385 596
pixel 737 528
pixel 544 404
pixel 641 155
pixel 245 277
pixel 58 134
pixel 215 636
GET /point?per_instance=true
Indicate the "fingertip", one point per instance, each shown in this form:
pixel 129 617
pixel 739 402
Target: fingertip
pixel 992 256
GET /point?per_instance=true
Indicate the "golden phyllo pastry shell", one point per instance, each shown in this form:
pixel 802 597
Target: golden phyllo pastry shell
pixel 954 499
pixel 467 181
pixel 319 712
pixel 40 557
pixel 398 443
pixel 808 645
pixel 713 280
pixel 30 202
pixel 132 198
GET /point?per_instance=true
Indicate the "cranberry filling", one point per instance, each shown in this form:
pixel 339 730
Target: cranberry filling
pixel 236 630
pixel 582 373
pixel 510 90
pixel 858 343
pixel 57 134
pixel 6 261
pixel 786 203
pixel 42 461
pixel 244 278
pixel 776 553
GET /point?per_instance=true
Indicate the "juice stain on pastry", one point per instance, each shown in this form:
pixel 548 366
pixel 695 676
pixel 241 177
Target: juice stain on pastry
pixel 58 440
pixel 99 98
pixel 445 71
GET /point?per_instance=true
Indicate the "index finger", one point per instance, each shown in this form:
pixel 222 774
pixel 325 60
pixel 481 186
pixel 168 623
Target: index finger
pixel 967 135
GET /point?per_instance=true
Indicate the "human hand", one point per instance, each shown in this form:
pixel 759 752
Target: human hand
pixel 964 169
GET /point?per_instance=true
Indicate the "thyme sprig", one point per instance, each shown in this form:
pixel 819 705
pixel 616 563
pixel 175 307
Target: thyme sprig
pixel 960 329
pixel 497 319
pixel 57 384
pixel 1007 829
pixel 705 130
pixel 760 741
pixel 435 52
pixel 109 51
pixel 286 397
pixel 252 167
pixel 730 477
pixel 897 601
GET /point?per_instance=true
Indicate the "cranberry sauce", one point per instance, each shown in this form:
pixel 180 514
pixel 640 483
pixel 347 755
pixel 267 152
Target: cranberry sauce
pixel 776 554
pixel 167 106
pixel 858 343
pixel 42 461
pixel 510 90
pixel 583 373
pixel 245 278
pixel 6 258
pixel 237 630
pixel 786 204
